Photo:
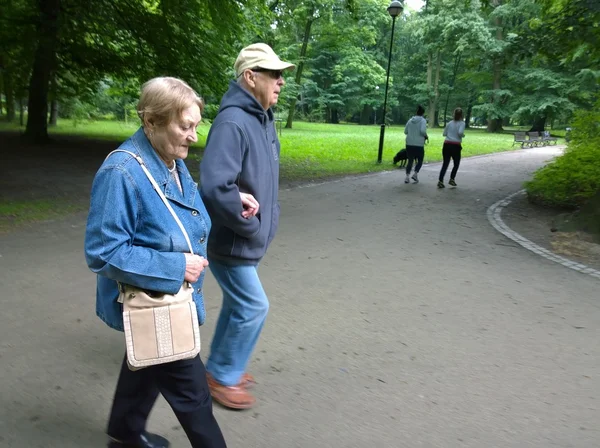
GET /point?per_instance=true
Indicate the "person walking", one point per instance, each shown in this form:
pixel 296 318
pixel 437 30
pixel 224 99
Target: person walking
pixel 454 133
pixel 132 239
pixel 240 182
pixel 416 135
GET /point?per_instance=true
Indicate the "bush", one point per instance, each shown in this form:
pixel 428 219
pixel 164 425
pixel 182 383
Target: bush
pixel 573 178
pixel 210 111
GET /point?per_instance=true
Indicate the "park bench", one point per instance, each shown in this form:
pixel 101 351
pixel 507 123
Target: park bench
pixel 548 138
pixel 535 139
pixel 521 138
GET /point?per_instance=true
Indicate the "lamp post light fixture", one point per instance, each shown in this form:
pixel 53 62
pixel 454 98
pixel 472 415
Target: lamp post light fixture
pixel 394 10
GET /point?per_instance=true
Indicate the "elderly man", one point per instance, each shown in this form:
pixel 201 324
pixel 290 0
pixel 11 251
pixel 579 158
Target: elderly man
pixel 240 181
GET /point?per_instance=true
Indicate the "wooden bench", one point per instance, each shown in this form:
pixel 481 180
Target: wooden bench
pixel 548 138
pixel 520 137
pixel 535 139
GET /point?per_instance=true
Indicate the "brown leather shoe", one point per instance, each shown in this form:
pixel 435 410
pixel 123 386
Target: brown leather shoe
pixel 233 397
pixel 247 381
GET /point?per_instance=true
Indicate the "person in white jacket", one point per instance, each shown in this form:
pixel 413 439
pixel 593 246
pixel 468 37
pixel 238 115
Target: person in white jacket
pixel 454 133
pixel 416 135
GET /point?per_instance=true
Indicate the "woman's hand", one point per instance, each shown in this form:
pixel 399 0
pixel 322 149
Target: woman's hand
pixel 250 205
pixel 194 265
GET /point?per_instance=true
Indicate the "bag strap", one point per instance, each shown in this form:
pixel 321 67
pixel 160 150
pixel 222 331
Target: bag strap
pixel 160 193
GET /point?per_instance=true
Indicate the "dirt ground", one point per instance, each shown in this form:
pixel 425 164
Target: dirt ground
pixel 542 226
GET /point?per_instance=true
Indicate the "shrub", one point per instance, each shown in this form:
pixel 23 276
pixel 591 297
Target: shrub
pixel 210 111
pixel 573 178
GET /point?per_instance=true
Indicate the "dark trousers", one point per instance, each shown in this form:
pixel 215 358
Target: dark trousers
pixel 184 386
pixel 414 152
pixel 450 151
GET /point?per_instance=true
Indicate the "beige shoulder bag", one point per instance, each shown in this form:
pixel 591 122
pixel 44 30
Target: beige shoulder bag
pixel 159 328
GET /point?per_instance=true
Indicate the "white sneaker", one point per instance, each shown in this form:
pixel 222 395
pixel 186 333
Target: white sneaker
pixel 415 177
pixel 407 180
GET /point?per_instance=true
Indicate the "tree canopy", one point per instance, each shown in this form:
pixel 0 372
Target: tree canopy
pixel 525 62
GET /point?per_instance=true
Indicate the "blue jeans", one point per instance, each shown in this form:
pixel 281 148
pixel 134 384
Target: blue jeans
pixel 243 314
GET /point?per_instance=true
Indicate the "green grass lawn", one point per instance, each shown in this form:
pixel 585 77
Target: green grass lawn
pixel 312 151
pixel 309 152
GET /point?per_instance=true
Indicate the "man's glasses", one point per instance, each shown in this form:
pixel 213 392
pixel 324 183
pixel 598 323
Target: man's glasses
pixel 275 74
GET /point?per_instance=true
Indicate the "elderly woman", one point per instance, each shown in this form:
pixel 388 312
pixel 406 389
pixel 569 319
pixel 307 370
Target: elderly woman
pixel 132 238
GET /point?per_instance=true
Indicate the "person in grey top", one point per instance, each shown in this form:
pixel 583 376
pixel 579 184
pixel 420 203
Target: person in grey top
pixel 454 133
pixel 416 135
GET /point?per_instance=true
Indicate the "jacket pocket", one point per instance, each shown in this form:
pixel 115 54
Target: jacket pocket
pixel 254 247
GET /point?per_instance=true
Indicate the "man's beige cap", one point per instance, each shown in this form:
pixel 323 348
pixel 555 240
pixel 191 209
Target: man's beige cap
pixel 259 56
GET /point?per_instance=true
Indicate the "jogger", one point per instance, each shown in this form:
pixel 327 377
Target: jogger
pixel 416 135
pixel 454 133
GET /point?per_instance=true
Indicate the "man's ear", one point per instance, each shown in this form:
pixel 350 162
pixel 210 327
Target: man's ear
pixel 249 77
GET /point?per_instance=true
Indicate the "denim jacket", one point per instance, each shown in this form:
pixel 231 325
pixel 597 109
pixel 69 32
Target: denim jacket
pixel 132 238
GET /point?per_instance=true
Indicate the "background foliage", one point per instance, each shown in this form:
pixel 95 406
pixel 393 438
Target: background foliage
pixel 517 62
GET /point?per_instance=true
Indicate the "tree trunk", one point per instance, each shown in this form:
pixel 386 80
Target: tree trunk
pixel 539 124
pixel 43 65
pixel 495 124
pixel 429 76
pixel 433 100
pixel 365 114
pixel 307 27
pixel 53 102
pixel 335 119
pixel 454 72
pixel 468 115
pixel 21 112
pixel 53 113
pixel 10 96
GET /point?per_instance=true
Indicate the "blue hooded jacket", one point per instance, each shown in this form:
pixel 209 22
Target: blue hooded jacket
pixel 241 155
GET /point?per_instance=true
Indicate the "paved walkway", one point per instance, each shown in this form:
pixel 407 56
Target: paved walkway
pixel 400 318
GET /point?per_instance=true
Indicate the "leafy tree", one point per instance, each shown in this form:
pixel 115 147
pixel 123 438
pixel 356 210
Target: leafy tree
pixel 82 42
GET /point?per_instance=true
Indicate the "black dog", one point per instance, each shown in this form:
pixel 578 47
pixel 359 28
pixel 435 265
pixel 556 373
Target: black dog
pixel 401 156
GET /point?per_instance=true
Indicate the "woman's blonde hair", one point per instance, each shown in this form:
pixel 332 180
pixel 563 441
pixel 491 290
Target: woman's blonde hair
pixel 163 99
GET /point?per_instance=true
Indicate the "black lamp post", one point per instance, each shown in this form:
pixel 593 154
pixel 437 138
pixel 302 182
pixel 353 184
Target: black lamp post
pixel 394 10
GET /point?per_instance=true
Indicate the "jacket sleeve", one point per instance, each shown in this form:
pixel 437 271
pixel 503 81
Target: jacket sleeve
pixel 110 233
pixel 423 128
pixel 220 171
pixel 406 128
pixel 461 129
pixel 445 133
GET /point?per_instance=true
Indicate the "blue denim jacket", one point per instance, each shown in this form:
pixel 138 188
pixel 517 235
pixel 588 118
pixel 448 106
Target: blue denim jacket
pixel 132 238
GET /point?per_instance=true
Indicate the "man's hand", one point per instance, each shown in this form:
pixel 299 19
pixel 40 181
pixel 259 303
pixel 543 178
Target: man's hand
pixel 250 205
pixel 194 265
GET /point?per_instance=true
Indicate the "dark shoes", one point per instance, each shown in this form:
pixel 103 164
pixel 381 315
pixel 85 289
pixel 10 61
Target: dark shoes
pixel 452 183
pixel 144 440
pixel 233 397
pixel 441 184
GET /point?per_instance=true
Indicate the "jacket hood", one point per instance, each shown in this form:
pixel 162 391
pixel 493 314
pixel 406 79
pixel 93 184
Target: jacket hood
pixel 239 97
pixel 416 118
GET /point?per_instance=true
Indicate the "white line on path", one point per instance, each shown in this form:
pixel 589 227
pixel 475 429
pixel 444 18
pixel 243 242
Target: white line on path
pixel 495 218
